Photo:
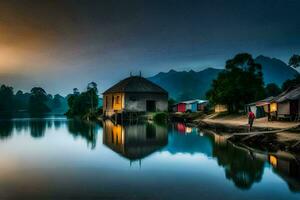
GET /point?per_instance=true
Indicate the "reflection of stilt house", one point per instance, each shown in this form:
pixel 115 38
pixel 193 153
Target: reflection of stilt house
pixel 134 94
pixel 134 142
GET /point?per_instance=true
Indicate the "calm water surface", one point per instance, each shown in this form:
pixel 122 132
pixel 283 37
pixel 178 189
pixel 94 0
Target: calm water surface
pixel 59 158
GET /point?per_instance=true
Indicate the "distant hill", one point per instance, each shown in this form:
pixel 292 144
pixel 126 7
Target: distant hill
pixel 183 85
pixel 275 70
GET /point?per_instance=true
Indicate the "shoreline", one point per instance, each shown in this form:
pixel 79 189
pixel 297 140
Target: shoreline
pixel 272 138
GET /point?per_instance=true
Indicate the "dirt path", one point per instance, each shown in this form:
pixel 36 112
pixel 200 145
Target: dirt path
pixel 242 121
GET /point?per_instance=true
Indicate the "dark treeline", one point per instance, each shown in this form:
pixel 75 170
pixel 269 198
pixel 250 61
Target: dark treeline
pixel 36 102
pixel 39 102
pixel 242 82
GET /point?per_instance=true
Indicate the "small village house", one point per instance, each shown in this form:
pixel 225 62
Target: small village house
pixel 288 104
pixel 220 108
pixel 284 106
pixel 134 94
pixel 262 108
pixel 190 106
pixel 180 107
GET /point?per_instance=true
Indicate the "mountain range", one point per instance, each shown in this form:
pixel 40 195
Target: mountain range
pixel 184 85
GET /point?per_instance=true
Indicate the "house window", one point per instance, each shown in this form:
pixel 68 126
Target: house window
pixel 112 101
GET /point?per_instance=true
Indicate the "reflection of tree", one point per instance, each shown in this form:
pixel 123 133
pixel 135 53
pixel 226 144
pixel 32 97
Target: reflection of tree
pixel 37 128
pixel 240 167
pixel 85 130
pixel 21 125
pixel 49 124
pixel 6 128
pixel 57 124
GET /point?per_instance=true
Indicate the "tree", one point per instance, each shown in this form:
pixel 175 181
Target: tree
pixel 272 90
pixel 57 100
pixel 240 83
pixel 291 83
pixel 294 61
pixel 171 102
pixel 93 93
pixel 6 99
pixel 84 103
pixel 21 101
pixel 37 101
pixel 76 91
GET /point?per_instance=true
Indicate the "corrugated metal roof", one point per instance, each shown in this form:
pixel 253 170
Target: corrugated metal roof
pixel 291 94
pixel 262 102
pixel 135 84
pixel 194 101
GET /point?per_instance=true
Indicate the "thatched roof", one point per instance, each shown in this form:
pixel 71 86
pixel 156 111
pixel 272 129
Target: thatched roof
pixel 136 84
pixel 291 94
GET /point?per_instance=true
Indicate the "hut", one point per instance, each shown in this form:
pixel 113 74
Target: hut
pixel 190 106
pixel 180 107
pixel 262 107
pixel 134 94
pixel 202 105
pixel 288 104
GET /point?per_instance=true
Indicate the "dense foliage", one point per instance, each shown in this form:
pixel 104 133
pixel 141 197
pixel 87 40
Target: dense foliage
pixel 291 83
pixel 84 103
pixel 240 83
pixel 35 102
pixel 6 99
pixel 171 103
pixel 294 61
pixel 160 118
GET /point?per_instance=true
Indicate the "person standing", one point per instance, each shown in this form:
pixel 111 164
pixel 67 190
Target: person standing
pixel 251 118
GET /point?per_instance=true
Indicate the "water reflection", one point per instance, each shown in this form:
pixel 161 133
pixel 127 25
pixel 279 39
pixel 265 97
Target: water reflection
pixel 6 127
pixel 241 166
pixel 39 126
pixel 288 168
pixel 85 130
pixel 185 139
pixel 134 141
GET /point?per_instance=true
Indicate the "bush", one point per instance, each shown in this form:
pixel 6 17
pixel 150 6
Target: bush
pixel 160 118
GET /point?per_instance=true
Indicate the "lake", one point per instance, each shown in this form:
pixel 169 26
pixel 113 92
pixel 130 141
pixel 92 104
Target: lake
pixel 55 158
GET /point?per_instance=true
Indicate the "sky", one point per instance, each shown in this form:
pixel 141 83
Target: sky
pixel 63 44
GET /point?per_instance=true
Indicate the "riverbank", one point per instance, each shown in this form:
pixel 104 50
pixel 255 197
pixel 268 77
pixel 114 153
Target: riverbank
pixel 268 135
pixel 242 121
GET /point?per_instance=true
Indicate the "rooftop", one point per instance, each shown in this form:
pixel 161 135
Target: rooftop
pixel 291 94
pixel 135 84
